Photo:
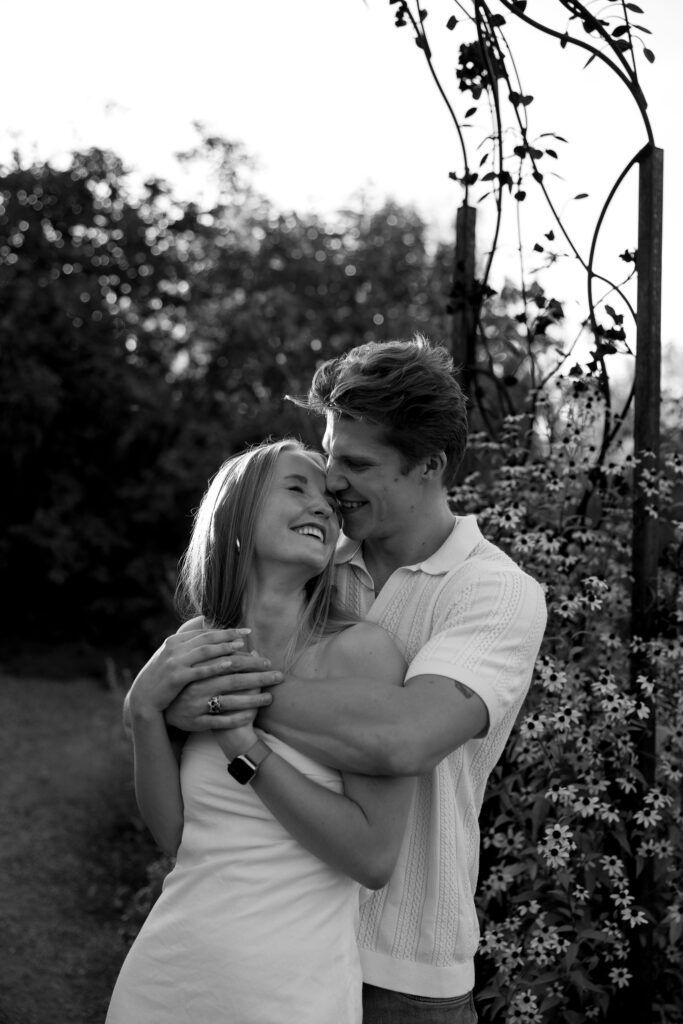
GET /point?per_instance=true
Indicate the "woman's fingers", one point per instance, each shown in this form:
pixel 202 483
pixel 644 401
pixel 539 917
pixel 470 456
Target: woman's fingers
pixel 244 666
pixel 237 693
pixel 191 637
pixel 232 720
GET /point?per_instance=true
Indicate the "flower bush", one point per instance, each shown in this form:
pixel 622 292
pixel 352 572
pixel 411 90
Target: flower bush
pixel 582 853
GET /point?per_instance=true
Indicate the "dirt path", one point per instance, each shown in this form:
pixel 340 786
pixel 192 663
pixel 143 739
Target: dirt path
pixel 64 780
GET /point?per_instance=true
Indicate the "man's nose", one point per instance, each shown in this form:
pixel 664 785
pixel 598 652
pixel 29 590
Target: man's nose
pixel 336 481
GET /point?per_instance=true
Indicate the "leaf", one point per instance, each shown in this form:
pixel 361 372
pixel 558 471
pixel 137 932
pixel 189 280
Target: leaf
pixel 550 235
pixel 554 135
pixel 451 23
pixel 649 55
pixel 551 152
pixel 520 195
pixel 581 195
pixel 471 111
pixel 620 30
pixel 538 248
pixel 489 993
pixel 497 20
pixel 636 8
pixel 424 45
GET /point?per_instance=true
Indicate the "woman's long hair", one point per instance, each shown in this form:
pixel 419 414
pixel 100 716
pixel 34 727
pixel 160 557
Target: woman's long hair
pixel 214 571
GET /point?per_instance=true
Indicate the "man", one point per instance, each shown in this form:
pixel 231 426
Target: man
pixel 469 623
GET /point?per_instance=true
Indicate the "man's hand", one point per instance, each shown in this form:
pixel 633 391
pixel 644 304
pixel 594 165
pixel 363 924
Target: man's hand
pixel 196 664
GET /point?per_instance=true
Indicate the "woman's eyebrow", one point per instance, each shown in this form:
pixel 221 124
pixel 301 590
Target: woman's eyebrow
pixel 298 477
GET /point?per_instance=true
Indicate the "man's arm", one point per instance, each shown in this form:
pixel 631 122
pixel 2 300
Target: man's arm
pixel 375 729
pixel 461 683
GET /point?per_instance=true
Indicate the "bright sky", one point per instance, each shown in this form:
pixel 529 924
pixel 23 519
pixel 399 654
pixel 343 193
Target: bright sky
pixel 331 98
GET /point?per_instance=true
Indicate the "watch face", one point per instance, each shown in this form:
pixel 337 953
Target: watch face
pixel 242 769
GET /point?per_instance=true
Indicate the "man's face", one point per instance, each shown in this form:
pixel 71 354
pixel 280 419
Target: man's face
pixel 378 499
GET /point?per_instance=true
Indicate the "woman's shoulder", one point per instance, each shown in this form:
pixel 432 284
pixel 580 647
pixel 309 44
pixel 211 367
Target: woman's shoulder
pixel 364 648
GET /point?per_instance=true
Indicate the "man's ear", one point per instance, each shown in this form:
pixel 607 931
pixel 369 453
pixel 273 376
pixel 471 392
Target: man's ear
pixel 434 466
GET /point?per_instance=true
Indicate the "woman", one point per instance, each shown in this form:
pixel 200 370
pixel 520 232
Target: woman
pixel 256 922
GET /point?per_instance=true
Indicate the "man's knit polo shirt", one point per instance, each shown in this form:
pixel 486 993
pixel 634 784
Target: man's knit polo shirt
pixel 468 613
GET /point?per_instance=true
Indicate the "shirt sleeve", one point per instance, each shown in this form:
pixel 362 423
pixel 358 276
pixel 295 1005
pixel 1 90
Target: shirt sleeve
pixel 489 628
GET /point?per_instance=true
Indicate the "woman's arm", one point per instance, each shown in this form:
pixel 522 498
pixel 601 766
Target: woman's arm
pixel 156 756
pixel 360 830
pixel 157 778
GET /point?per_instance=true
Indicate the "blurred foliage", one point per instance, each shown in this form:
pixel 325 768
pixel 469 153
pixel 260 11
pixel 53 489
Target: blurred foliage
pixel 143 340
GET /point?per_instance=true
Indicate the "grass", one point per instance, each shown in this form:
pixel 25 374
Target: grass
pixel 71 851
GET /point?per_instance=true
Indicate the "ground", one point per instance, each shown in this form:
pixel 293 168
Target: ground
pixel 67 806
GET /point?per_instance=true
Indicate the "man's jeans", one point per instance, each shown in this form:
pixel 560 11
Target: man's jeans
pixel 380 1006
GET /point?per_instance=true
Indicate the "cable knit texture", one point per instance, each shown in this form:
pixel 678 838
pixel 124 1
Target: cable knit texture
pixel 468 613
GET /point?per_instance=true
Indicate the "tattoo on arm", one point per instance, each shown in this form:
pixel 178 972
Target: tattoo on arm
pixel 464 690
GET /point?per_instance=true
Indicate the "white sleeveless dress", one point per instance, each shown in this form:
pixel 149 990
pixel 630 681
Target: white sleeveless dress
pixel 250 927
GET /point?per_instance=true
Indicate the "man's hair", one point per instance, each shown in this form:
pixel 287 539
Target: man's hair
pixel 409 388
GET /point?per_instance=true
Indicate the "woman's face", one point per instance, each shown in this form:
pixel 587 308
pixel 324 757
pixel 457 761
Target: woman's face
pixel 298 522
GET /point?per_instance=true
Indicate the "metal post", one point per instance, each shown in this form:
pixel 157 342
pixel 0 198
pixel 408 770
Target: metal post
pixel 645 556
pixel 463 299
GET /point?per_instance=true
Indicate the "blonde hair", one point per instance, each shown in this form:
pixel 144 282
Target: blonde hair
pixel 214 571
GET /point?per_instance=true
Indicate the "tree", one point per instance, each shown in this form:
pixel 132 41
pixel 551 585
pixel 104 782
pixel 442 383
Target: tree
pixel 145 340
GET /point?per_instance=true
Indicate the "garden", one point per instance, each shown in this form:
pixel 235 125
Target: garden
pixel 145 337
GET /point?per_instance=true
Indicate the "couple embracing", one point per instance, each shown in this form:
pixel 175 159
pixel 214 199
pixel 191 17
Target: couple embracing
pixel 314 743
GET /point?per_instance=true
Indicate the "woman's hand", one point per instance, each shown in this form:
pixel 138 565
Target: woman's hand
pixel 236 682
pixel 183 658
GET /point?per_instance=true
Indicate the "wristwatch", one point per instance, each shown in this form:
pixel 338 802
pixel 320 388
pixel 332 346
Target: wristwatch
pixel 243 768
